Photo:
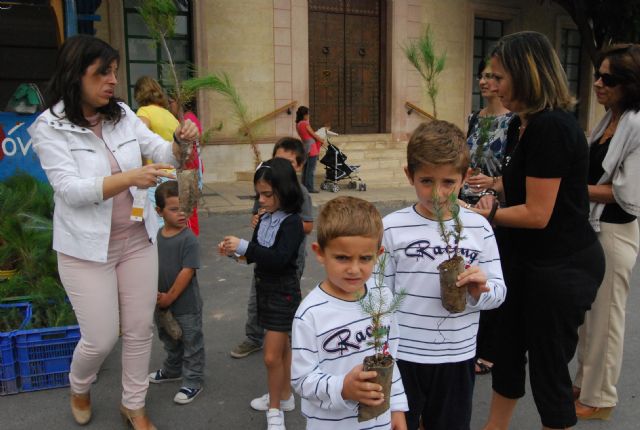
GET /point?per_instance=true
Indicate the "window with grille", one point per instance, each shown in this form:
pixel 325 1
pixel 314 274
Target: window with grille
pixel 486 34
pixel 570 57
pixel 146 58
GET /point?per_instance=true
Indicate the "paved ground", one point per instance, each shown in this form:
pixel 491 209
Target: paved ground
pixel 232 383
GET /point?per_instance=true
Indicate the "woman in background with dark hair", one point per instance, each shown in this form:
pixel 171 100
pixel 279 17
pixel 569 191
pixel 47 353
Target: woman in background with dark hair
pixel 91 148
pixel 487 139
pixel 614 175
pixel 312 143
pixel 552 260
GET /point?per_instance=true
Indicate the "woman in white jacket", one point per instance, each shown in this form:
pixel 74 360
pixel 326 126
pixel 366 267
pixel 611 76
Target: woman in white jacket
pixel 91 148
pixel 614 172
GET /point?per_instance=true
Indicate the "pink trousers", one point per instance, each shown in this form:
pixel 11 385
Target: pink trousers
pixel 109 298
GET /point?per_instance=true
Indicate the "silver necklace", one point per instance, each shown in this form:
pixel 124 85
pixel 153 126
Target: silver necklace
pixel 507 158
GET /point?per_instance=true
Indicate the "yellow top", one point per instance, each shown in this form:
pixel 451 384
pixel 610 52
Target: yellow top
pixel 162 122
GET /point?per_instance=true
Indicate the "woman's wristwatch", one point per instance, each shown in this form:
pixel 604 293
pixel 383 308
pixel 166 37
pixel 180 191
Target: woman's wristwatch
pixel 489 192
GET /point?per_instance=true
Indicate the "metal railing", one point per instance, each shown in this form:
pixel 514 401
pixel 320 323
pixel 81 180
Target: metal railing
pixel 286 108
pixel 412 107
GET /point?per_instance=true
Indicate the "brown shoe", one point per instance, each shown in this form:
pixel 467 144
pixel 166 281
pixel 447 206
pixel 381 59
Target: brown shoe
pixel 136 419
pixel 586 412
pixel 81 407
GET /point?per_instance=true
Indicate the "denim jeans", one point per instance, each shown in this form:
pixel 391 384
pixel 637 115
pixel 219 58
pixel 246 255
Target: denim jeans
pixel 185 356
pixel 308 171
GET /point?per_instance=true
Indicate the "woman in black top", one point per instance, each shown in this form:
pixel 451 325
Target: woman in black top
pixel 553 262
pixel 614 174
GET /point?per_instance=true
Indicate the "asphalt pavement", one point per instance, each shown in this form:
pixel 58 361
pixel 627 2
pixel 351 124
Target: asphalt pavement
pixel 232 383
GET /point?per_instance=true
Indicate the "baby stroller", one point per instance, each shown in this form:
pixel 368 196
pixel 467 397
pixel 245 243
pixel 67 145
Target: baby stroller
pixel 336 168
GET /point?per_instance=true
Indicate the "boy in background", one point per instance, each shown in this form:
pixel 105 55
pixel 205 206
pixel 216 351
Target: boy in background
pixel 331 332
pixel 437 349
pixel 178 291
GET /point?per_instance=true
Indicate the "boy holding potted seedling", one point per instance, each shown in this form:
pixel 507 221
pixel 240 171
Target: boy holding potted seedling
pixel 179 305
pixel 426 242
pixel 331 334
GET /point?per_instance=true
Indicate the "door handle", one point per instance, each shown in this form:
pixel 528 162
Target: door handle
pixel 325 50
pixel 326 73
pixel 362 52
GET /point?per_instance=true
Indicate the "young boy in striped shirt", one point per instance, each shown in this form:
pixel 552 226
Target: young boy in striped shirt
pixel 331 334
pixel 436 349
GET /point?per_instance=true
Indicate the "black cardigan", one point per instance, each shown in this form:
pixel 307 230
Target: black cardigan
pixel 280 259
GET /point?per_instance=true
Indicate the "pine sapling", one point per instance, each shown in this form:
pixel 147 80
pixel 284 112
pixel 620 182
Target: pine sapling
pixel 376 306
pixel 454 299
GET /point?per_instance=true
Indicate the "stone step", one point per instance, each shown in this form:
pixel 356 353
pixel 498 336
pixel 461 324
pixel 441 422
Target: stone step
pixel 380 159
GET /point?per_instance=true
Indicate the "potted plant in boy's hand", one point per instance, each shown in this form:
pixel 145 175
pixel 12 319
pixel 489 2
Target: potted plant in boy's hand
pixel 377 307
pixel 454 298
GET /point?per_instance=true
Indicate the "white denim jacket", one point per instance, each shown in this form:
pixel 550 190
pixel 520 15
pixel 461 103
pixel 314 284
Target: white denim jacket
pixel 76 162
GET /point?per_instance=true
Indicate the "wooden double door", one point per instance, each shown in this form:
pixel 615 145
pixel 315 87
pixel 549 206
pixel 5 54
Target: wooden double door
pixel 346 70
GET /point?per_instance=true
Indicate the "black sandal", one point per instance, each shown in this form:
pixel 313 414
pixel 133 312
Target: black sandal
pixel 482 368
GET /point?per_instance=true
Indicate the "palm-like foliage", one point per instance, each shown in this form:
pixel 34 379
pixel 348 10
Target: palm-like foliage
pixel 26 233
pixel 421 53
pixel 159 15
pixel 221 84
pixel 160 18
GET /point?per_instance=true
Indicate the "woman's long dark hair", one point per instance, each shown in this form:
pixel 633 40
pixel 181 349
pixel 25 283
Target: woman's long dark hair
pixel 301 112
pixel 76 55
pixel 279 173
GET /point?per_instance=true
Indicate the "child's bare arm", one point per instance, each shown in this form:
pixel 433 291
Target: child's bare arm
pixel 179 285
pixel 475 280
pixel 357 387
pixel 307 226
pixel 398 421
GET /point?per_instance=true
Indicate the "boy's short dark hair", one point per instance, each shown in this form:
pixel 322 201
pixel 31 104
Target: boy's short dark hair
pixel 348 216
pixel 164 191
pixel 437 143
pixel 291 144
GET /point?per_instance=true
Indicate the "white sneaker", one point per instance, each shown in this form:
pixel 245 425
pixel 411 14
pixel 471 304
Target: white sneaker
pixel 275 419
pixel 262 403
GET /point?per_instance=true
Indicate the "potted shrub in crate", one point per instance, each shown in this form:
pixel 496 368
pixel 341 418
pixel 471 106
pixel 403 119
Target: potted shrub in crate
pixel 44 343
pixel 377 307
pixel 454 299
pixel 13 316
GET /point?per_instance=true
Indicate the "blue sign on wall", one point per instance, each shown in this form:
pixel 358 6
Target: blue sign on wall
pixel 16 152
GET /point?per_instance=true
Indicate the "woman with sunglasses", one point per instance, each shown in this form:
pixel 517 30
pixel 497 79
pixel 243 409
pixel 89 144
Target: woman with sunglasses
pixel 614 174
pixel 552 260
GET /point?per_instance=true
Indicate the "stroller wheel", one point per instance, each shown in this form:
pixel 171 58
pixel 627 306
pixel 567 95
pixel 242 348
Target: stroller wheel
pixel 335 188
pixel 323 186
pixel 362 187
pixel 352 185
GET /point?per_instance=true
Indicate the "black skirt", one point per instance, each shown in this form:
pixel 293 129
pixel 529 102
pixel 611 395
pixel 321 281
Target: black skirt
pixel 278 299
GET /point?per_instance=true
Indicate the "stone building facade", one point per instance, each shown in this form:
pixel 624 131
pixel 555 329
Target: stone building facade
pixel 270 49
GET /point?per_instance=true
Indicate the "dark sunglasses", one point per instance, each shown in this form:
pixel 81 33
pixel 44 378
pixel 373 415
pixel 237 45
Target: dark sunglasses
pixel 608 80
